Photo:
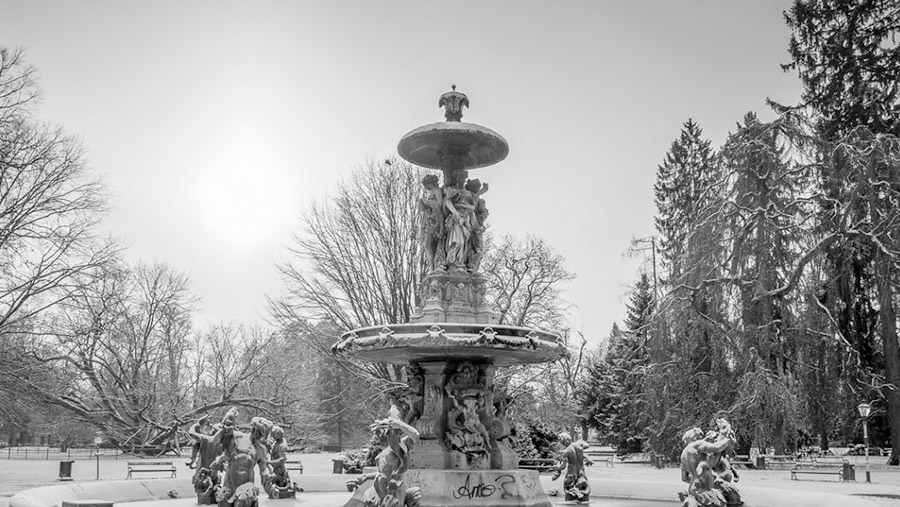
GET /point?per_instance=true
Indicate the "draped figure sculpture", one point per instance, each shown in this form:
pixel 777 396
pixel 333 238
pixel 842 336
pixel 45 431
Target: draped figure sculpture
pixel 460 222
pixel 479 215
pixel 432 225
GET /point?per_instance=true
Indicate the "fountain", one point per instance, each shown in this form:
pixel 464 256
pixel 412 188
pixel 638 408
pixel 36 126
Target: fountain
pixel 453 344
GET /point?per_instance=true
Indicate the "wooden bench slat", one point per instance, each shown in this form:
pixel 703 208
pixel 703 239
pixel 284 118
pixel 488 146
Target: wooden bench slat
pixel 537 464
pixel 151 466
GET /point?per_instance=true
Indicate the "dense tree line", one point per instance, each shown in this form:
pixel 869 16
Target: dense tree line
pixel 781 256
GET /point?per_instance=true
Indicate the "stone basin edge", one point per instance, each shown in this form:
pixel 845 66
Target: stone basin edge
pixel 158 489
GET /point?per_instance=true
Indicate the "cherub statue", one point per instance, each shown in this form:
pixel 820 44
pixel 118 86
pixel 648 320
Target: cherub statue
pixel 206 448
pixel 393 461
pixel 571 459
pixel 240 453
pixel 706 469
pixel 279 484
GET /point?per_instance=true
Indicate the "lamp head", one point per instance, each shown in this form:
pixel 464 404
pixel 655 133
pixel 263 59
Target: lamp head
pixel 864 410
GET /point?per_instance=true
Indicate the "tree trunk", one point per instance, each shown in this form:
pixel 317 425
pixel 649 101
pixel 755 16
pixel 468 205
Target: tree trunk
pixel 888 319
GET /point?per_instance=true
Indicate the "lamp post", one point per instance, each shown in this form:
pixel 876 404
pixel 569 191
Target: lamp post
pixel 864 409
pixel 98 439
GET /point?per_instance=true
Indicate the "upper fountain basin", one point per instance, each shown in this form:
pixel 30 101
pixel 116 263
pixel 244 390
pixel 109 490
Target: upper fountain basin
pixel 453 145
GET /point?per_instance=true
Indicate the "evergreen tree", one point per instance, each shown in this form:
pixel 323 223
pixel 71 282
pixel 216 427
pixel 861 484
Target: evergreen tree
pixel 682 185
pixel 846 54
pixel 641 307
pixel 767 221
pixel 601 395
pixel 613 400
pixel 682 380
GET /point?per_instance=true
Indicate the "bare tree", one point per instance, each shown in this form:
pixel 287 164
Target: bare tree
pixel 525 282
pixel 49 206
pixel 358 263
pixel 358 260
pixel 122 359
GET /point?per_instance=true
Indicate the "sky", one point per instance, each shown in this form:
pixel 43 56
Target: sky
pixel 215 123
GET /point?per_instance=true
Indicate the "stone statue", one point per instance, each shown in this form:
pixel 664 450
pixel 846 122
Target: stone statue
pixel 500 426
pixel 706 469
pixel 387 488
pixel 432 225
pixel 201 427
pixel 279 484
pixel 240 453
pixel 414 397
pixel 205 485
pixel 479 215
pixel 460 203
pixel 571 459
pixel 205 480
pixel 466 433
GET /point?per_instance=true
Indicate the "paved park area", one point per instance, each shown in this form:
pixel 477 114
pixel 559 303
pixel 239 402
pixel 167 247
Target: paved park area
pixel 884 490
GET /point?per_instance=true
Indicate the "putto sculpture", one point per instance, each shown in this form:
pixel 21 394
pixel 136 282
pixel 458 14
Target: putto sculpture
pixel 453 344
pixel 388 488
pixel 279 483
pixel 571 459
pixel 206 481
pixel 706 469
pixel 241 452
pixel 228 457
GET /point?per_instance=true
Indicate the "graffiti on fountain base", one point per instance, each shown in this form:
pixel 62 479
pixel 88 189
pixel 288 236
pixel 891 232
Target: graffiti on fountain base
pixel 503 486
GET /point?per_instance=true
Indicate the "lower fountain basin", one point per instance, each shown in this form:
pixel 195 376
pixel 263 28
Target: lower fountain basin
pixel 441 341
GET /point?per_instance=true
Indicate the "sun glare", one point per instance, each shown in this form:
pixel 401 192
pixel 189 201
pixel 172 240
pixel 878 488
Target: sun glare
pixel 244 195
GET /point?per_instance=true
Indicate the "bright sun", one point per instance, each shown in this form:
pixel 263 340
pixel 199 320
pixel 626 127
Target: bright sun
pixel 243 199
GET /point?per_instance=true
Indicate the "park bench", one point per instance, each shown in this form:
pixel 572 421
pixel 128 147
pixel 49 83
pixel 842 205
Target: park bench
pixel 135 467
pixel 638 458
pixel 779 461
pixel 742 459
pixel 824 465
pixel 293 464
pixel 541 465
pixel 599 455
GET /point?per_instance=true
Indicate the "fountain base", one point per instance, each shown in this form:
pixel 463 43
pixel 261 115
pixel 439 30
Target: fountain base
pixel 475 488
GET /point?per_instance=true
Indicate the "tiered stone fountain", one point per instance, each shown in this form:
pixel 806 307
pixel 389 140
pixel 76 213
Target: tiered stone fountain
pixel 453 344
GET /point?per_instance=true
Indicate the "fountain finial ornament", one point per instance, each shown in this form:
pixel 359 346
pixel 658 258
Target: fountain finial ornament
pixel 453 103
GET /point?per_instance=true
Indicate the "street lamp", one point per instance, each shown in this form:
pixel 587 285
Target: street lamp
pixel 98 439
pixel 864 409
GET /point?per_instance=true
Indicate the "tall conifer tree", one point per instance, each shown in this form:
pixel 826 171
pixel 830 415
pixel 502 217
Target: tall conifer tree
pixel 846 54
